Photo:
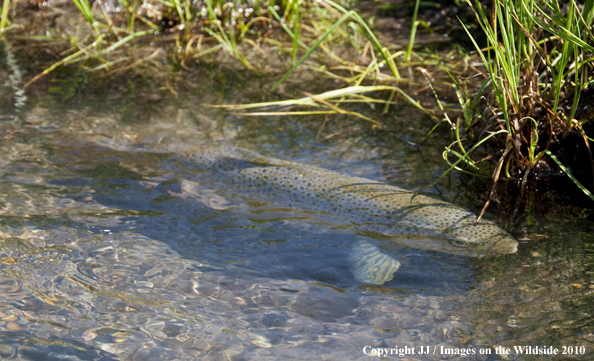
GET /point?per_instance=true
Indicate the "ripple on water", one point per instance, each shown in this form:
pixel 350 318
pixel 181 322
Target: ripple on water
pixel 116 296
pixel 81 288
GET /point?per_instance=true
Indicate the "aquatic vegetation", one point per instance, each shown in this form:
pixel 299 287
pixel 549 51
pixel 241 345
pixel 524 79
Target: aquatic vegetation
pixel 203 29
pixel 307 32
pixel 330 100
pixel 4 20
pixel 538 63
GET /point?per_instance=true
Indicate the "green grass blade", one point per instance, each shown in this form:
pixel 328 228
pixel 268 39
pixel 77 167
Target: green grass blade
pixel 369 34
pixel 126 39
pixel 338 93
pixel 295 36
pixel 465 157
pixel 493 76
pixel 208 51
pixel 86 53
pixel 85 9
pixel 309 101
pixel 311 50
pixel 561 30
pixel 4 20
pixel 413 31
pixel 178 7
pixel 269 114
pixel 166 3
pixel 577 183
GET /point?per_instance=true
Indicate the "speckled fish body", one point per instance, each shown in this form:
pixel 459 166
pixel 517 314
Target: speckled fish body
pixel 373 208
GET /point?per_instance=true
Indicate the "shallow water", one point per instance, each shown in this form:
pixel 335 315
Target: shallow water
pixel 105 254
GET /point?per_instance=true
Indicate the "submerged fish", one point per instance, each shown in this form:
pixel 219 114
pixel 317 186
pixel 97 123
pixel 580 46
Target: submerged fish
pixel 372 208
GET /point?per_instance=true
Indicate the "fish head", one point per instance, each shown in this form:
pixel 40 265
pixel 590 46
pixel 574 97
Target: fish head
pixel 479 239
pixel 438 226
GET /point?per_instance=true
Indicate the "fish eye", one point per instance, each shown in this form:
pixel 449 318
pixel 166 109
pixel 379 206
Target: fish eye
pixel 458 243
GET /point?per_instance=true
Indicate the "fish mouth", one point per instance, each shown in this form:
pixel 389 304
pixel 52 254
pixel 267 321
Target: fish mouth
pixel 505 245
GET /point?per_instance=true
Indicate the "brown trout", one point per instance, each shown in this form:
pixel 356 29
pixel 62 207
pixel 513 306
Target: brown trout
pixel 374 209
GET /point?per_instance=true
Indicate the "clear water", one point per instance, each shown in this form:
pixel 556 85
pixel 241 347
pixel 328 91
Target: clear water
pixel 104 256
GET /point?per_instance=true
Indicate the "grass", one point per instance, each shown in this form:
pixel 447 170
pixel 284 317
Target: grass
pixel 580 186
pixel 361 27
pixel 326 100
pixel 4 20
pixel 537 57
pixel 206 28
pixel 537 60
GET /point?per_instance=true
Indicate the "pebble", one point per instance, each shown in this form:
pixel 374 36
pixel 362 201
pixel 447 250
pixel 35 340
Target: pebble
pixel 13 326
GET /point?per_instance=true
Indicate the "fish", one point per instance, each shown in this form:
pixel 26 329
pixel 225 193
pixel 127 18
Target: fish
pixel 373 209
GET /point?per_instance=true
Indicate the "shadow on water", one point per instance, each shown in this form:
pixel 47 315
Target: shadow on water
pixel 107 252
pixel 218 226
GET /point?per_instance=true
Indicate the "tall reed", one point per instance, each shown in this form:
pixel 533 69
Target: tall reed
pixel 537 55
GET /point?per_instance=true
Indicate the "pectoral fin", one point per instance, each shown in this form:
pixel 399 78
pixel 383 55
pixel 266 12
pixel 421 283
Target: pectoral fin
pixel 370 265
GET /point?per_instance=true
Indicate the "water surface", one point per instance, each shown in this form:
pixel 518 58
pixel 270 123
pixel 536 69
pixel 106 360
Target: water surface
pixel 106 254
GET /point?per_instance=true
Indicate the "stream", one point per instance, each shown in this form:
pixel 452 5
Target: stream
pixel 106 253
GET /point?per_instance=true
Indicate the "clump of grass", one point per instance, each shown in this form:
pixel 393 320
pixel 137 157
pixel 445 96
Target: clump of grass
pixel 331 100
pixel 205 28
pixel 538 60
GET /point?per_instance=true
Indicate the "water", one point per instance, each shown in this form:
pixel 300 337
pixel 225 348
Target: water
pixel 106 253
